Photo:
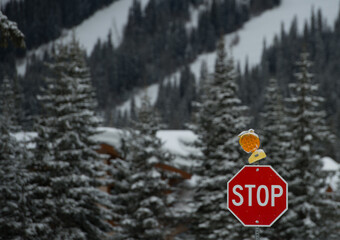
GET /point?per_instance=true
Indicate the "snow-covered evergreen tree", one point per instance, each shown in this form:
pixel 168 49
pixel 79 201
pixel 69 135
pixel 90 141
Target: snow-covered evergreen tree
pixel 221 118
pixel 63 192
pixel 274 139
pixel 273 128
pixel 308 131
pixel 147 213
pixel 12 212
pixel 331 213
pixel 120 172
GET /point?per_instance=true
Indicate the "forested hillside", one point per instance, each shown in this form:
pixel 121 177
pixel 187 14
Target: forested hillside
pixel 40 21
pixel 322 42
pixel 50 17
pixel 158 41
pixel 155 43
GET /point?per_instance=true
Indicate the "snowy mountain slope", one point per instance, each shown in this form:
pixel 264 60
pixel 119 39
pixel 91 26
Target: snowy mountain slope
pixel 265 26
pixel 111 19
pixel 151 91
pixel 251 37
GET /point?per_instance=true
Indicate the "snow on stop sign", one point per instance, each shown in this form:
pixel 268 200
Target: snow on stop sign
pixel 257 196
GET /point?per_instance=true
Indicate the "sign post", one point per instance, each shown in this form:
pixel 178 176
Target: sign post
pixel 257 194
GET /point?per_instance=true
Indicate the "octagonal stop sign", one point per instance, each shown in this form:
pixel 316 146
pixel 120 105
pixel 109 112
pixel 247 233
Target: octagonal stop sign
pixel 257 196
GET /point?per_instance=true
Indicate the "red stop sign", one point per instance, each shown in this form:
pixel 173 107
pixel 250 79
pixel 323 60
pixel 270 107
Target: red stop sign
pixel 257 196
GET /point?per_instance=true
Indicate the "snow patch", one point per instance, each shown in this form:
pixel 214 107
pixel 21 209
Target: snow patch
pixel 176 141
pixel 330 164
pixel 111 136
pixel 333 168
pixel 179 143
pixel 193 181
pixel 21 67
pixel 26 138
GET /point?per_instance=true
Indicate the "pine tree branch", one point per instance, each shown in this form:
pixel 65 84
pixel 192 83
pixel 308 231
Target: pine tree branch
pixel 10 31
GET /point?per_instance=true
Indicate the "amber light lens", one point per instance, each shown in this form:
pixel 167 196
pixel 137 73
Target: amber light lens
pixel 249 142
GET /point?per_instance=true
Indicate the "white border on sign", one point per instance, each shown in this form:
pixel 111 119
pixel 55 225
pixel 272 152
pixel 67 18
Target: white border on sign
pixel 249 225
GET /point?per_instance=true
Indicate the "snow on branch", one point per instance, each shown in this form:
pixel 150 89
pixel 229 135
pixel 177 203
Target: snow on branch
pixel 10 30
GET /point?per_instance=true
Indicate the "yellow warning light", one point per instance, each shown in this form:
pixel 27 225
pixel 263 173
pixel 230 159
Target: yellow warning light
pixel 250 142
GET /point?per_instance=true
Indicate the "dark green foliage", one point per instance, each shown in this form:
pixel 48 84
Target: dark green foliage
pixel 167 102
pixel 257 6
pixel 175 102
pixel 49 17
pixel 103 68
